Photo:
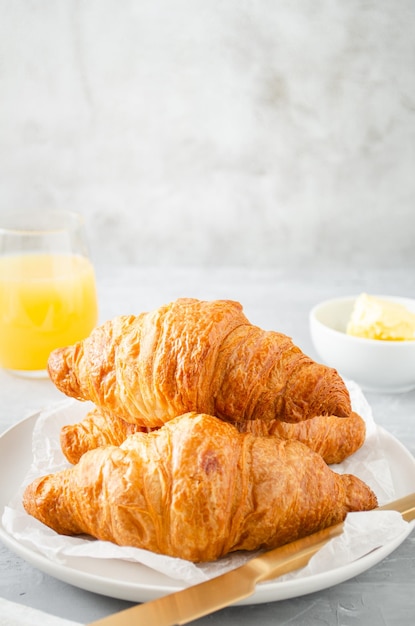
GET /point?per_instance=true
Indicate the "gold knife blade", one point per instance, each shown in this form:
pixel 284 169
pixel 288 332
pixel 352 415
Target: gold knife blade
pixel 191 603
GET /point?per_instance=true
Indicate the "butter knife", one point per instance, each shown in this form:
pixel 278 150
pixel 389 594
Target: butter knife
pixel 191 603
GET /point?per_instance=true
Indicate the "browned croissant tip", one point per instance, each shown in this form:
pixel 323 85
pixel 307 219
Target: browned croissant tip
pixel 29 501
pixel 356 489
pixel 72 444
pixel 56 362
pixel 62 370
pixel 59 363
pixel 33 498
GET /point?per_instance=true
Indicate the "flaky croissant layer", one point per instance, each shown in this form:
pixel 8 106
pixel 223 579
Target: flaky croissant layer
pixel 197 489
pixel 193 355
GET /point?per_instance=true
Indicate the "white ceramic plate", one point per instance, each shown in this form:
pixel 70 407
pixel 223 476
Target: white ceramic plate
pixel 138 583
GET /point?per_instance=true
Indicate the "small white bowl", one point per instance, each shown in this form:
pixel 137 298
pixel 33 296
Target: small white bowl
pixel 376 365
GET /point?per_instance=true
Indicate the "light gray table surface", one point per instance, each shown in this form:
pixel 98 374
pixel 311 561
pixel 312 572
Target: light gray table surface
pixel 381 596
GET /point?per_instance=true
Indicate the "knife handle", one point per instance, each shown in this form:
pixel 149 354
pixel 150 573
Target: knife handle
pixel 405 506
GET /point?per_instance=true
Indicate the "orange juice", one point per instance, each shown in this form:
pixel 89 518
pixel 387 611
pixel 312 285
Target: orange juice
pixel 46 301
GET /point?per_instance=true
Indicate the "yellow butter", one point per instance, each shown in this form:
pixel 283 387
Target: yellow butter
pixel 375 318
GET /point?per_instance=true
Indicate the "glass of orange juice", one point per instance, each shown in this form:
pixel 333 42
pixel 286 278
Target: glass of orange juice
pixel 48 295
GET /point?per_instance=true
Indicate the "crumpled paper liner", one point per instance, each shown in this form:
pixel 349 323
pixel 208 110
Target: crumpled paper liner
pixel 363 532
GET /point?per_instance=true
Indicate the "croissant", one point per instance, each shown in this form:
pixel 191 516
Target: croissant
pixel 202 356
pixel 334 439
pixel 197 489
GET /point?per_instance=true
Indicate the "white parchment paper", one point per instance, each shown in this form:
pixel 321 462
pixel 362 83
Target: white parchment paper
pixel 363 531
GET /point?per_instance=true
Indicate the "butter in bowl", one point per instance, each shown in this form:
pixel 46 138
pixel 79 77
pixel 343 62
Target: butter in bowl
pixel 368 339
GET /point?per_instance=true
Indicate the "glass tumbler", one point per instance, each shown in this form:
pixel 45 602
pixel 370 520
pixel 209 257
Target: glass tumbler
pixel 48 295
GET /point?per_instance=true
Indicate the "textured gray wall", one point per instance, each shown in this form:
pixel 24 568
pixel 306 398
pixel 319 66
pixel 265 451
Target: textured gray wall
pixel 251 133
